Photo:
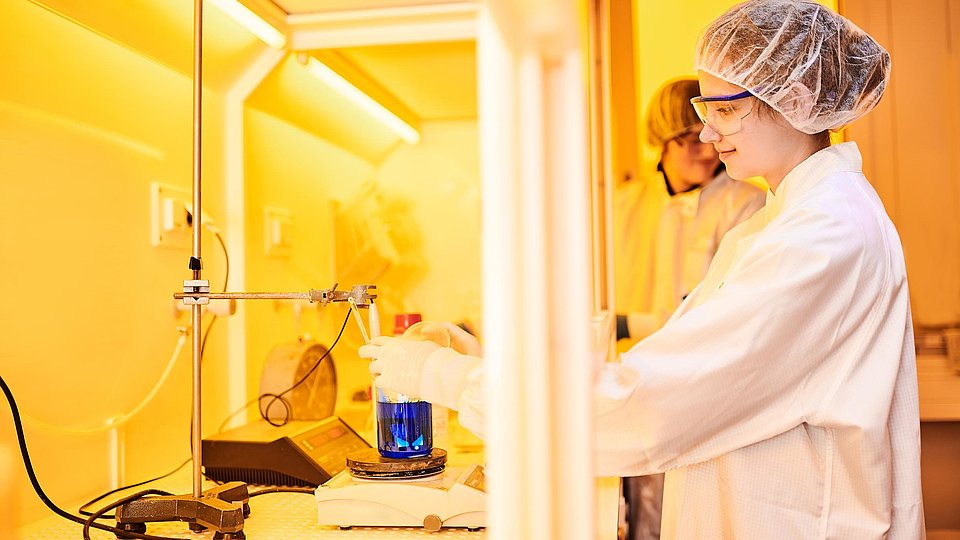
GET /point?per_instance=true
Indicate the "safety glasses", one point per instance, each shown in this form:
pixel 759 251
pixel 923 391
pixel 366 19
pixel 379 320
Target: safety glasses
pixel 724 114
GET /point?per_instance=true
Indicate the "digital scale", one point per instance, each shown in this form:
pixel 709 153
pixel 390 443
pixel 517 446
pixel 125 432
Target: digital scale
pixel 374 491
pixel 355 485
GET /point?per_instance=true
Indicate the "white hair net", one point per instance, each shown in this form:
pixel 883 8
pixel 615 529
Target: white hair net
pixel 670 113
pixel 813 66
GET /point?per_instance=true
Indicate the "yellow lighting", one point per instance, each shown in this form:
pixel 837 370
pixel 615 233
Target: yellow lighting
pixel 362 100
pixel 252 22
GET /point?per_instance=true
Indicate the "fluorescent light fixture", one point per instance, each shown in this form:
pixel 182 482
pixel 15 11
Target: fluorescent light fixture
pixel 252 22
pixel 362 100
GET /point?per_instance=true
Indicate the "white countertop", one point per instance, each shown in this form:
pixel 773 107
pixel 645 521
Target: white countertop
pixel 292 516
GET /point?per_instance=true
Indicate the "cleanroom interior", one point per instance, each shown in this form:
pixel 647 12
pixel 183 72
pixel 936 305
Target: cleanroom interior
pixel 307 190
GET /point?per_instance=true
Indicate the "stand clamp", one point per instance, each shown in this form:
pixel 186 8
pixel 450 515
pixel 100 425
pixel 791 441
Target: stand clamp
pixel 221 508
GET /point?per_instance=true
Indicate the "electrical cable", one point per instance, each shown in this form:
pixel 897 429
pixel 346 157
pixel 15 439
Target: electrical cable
pixel 253 401
pixel 35 482
pixel 206 333
pixel 279 397
pixel 114 423
pixel 83 509
pixel 308 491
pixel 226 279
pixel 119 421
pixel 84 512
pixel 100 514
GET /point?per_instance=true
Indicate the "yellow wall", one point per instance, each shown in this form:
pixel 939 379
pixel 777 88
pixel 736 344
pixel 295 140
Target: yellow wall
pixel 291 169
pixel 431 189
pixel 85 126
pixel 438 180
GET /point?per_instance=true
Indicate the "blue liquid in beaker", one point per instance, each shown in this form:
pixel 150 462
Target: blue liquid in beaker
pixel 404 429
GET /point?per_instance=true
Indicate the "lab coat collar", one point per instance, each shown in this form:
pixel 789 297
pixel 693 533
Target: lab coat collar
pixel 838 157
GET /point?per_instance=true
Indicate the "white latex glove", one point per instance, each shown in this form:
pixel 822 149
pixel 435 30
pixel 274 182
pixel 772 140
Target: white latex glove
pixel 460 340
pixel 397 362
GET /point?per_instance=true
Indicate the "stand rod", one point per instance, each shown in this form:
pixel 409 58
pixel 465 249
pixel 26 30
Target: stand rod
pixel 196 428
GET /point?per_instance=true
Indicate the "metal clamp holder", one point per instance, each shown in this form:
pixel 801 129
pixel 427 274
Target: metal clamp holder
pixel 361 294
pixel 199 291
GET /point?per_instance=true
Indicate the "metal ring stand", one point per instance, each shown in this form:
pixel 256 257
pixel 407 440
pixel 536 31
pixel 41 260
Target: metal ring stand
pixel 221 508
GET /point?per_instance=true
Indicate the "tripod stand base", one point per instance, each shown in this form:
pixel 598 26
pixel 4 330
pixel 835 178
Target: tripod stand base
pixel 221 508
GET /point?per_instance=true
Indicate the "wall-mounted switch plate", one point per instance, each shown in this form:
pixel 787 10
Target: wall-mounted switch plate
pixel 277 230
pixel 168 216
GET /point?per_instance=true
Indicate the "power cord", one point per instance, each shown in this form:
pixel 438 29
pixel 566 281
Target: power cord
pixel 278 398
pixel 226 279
pixel 306 491
pixel 102 513
pixel 28 464
pixel 83 509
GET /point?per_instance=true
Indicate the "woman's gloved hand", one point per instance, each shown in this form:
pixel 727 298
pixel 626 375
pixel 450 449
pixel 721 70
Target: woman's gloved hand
pixel 444 332
pixel 398 362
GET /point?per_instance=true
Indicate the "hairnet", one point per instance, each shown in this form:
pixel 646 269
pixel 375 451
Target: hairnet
pixel 812 65
pixel 669 113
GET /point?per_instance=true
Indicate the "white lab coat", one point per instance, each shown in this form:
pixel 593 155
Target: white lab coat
pixel 663 244
pixel 781 397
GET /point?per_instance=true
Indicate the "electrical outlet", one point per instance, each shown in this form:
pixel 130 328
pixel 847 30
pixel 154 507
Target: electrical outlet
pixel 168 216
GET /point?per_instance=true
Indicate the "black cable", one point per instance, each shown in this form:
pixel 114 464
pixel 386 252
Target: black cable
pixel 206 333
pixel 276 396
pixel 226 279
pixel 308 491
pixel 84 512
pixel 279 397
pixel 28 464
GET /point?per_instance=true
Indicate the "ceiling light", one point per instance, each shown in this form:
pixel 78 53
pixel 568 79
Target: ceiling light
pixel 252 22
pixel 321 71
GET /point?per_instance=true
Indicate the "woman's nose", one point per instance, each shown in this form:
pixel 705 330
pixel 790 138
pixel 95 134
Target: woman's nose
pixel 708 135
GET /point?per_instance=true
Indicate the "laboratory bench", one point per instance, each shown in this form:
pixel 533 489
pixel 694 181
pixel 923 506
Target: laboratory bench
pixel 293 516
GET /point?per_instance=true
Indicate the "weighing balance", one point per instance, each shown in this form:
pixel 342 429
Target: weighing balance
pixel 376 491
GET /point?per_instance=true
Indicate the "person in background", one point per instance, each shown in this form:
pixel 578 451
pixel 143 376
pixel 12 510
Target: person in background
pixel 781 397
pixel 667 227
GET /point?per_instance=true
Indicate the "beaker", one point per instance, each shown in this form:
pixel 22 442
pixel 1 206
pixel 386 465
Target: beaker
pixel 404 424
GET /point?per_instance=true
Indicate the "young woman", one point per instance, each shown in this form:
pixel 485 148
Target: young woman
pixel 666 229
pixel 781 397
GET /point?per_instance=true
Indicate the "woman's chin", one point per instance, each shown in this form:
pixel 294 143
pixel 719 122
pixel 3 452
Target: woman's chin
pixel 736 174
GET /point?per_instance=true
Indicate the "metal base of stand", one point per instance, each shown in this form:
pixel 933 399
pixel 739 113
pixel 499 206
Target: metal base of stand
pixel 221 508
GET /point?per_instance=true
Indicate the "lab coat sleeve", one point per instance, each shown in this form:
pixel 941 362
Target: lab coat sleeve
pixel 737 368
pixel 455 381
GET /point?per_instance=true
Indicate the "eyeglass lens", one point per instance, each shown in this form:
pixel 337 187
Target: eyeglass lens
pixel 724 117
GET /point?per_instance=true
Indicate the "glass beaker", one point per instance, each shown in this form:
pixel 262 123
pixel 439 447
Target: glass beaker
pixel 404 424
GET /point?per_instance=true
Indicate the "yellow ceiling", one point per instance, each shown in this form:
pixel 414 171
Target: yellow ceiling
pixel 436 81
pixel 163 31
pixel 433 81
pixel 291 93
